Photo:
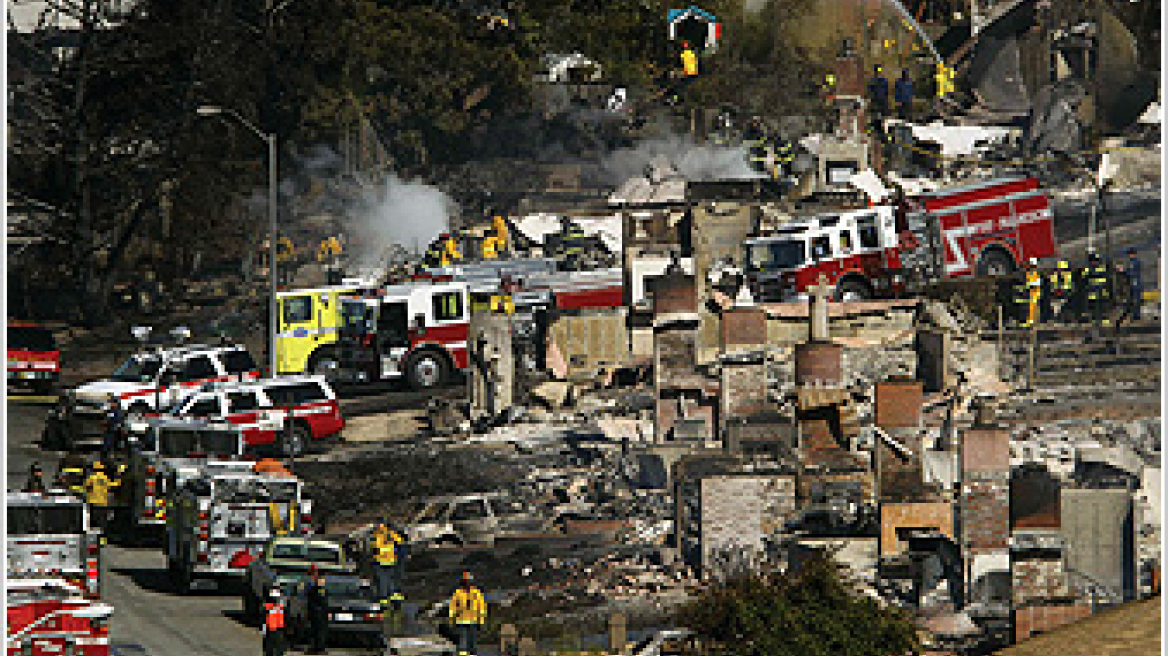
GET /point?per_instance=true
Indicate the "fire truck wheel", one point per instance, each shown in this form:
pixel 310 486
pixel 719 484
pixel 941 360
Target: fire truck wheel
pixel 852 290
pixel 293 440
pixel 994 262
pixel 426 370
pixel 324 364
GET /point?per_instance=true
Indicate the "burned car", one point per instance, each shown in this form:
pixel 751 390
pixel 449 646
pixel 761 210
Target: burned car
pixel 471 519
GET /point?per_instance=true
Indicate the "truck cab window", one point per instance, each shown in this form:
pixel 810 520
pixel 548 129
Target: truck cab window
pixel 448 306
pixel 869 235
pixel 393 325
pixel 821 247
pixel 241 401
pixel 208 407
pixel 198 368
pixel 298 309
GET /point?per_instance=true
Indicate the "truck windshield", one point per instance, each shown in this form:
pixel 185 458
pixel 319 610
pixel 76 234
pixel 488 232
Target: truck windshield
pixel 311 553
pixel 55 519
pixel 775 255
pixel 249 490
pixel 348 587
pixel 136 370
pixel 179 442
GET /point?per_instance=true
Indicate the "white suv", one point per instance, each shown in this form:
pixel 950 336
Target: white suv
pixel 145 381
pixel 289 412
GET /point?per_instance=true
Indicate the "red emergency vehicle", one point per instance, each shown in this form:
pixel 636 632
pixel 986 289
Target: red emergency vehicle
pixel 414 330
pixel 47 616
pixel 986 228
pixel 34 361
pixel 289 412
pixel 49 536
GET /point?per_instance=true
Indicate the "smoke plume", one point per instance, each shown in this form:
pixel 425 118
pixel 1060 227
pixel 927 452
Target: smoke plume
pixel 407 213
pixel 695 162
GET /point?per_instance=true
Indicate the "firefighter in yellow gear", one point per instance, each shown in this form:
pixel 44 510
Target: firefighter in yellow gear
pixel 97 494
pixel 328 249
pixel 1095 277
pixel 468 611
pixel 442 252
pixel 1033 292
pixel 496 241
pixel 503 302
pixel 1060 285
pixel 450 252
pixel 389 562
pixel 689 60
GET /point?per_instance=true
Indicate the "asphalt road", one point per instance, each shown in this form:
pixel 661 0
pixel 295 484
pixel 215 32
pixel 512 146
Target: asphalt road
pixel 149 619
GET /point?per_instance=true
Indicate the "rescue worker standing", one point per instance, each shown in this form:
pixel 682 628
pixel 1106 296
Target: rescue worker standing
pixel 35 483
pixel 1135 281
pixel 97 495
pixel 468 610
pixel 114 418
pixel 573 242
pixel 689 60
pixel 1059 286
pixel 1033 292
pixel 878 94
pixel 387 572
pixel 902 92
pixel 1021 299
pixel 1095 280
pixel 275 643
pixel 318 610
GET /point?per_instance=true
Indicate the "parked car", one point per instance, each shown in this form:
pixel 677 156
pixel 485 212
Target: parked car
pixel 353 610
pixel 471 519
pixel 290 413
pixel 285 562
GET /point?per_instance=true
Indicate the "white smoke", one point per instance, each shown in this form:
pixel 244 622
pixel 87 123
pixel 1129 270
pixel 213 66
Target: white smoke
pixel 405 213
pixel 754 6
pixel 695 162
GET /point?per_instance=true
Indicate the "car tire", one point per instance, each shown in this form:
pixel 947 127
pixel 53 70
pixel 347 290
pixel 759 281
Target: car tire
pixel 851 290
pixel 138 408
pixel 995 263
pixel 324 364
pixel 427 370
pixel 294 440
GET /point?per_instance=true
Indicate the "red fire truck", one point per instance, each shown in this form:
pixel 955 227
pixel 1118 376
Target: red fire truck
pixel 48 616
pixel 415 330
pixel 49 536
pixel 34 360
pixel 986 228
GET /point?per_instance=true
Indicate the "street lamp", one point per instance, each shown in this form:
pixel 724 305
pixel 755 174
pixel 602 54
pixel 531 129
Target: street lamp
pixel 270 139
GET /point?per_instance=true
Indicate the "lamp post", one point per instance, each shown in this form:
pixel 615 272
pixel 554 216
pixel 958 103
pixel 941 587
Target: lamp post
pixel 270 139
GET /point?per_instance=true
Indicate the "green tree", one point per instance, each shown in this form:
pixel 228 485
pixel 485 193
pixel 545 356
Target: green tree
pixel 813 612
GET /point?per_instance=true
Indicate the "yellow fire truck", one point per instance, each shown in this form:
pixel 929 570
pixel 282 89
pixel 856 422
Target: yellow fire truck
pixel 310 320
